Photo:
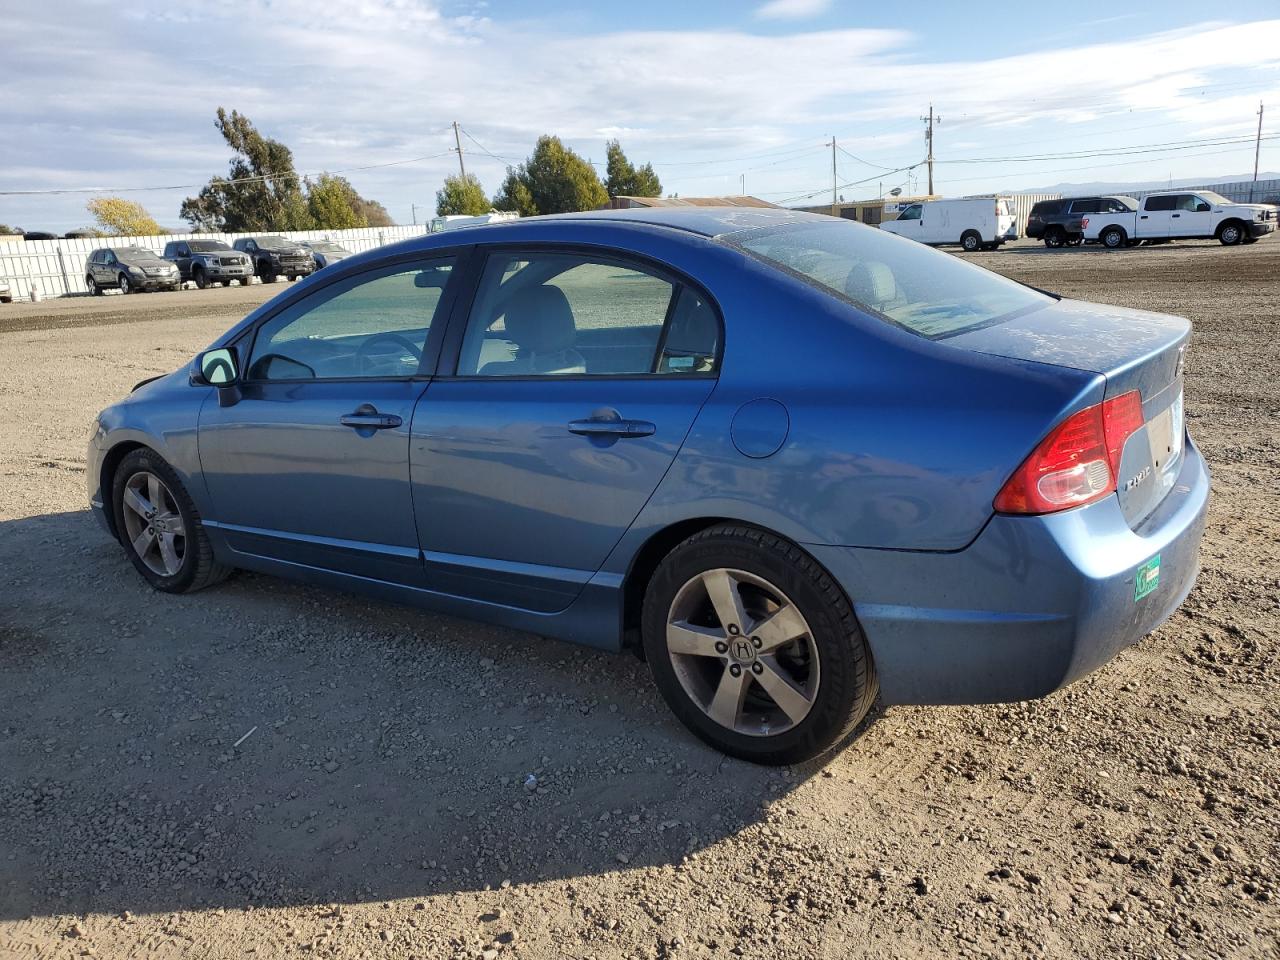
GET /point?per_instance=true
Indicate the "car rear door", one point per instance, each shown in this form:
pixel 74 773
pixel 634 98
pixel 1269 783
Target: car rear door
pixel 572 381
pixel 1155 219
pixel 311 465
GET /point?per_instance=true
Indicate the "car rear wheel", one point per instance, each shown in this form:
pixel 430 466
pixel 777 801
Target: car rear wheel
pixel 1055 238
pixel 971 241
pixel 755 648
pixel 159 526
pixel 1113 238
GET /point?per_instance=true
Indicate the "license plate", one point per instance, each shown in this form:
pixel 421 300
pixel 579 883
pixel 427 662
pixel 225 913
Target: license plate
pixel 1147 578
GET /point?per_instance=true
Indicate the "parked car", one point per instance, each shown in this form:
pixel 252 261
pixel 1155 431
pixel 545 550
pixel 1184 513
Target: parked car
pixel 325 252
pixel 930 481
pixel 981 224
pixel 1182 215
pixel 457 221
pixel 1057 222
pixel 277 257
pixel 6 291
pixel 129 270
pixel 209 261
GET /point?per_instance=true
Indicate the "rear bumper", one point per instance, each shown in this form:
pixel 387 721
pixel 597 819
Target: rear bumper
pixel 1031 605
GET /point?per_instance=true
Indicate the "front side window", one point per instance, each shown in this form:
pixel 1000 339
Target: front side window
pixel 550 314
pixel 911 213
pixel 926 292
pixel 374 325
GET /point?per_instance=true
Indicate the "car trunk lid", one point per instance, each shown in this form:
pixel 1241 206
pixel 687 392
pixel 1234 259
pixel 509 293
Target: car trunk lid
pixel 1133 350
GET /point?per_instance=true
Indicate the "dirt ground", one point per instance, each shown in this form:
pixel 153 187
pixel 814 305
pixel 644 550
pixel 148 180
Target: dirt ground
pixel 266 769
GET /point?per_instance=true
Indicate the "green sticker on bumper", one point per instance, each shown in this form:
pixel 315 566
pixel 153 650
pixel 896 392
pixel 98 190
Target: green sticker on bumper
pixel 1147 578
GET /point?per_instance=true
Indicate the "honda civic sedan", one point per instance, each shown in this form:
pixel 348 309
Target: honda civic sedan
pixel 793 462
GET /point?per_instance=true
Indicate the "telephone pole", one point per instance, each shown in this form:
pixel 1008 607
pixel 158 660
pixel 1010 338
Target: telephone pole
pixel 928 139
pixel 834 211
pixel 458 140
pixel 1257 149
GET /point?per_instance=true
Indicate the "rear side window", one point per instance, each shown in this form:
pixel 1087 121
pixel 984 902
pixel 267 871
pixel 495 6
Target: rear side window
pixel 551 314
pixel 1086 206
pixel 1046 208
pixel 913 286
pixel 1160 203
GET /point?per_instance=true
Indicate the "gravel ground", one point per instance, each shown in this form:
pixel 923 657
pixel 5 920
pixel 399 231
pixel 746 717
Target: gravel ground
pixel 267 769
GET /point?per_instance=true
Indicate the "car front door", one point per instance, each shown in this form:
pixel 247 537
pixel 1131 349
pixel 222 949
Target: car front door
pixel 1192 217
pixel 182 257
pixel 311 465
pixel 577 377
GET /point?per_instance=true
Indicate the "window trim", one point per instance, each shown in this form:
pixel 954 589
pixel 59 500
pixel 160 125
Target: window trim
pixel 435 333
pixel 451 351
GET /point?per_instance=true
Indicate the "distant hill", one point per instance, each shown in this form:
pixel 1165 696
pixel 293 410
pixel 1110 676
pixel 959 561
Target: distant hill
pixel 1111 186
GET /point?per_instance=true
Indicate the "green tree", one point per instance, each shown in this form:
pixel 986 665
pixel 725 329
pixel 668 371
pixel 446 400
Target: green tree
pixel 462 195
pixel 553 180
pixel 119 217
pixel 624 180
pixel 374 213
pixel 332 204
pixel 262 191
pixel 9 231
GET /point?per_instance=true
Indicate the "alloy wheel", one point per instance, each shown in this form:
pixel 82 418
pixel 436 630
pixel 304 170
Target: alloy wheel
pixel 124 284
pixel 153 524
pixel 743 652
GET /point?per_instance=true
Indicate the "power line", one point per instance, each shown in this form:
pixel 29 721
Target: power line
pixel 1170 146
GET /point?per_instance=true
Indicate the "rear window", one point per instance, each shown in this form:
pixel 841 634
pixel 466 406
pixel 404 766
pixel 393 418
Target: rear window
pixel 927 292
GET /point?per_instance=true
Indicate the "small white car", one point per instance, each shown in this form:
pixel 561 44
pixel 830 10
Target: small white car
pixel 980 224
pixel 1185 215
pixel 6 291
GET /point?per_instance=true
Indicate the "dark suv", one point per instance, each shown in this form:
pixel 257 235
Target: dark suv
pixel 129 270
pixel 277 257
pixel 1057 222
pixel 209 261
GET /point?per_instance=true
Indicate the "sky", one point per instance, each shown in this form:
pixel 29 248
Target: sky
pixel 720 96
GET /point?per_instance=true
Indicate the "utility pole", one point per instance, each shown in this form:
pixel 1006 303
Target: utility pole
pixel 928 139
pixel 834 211
pixel 743 192
pixel 1257 149
pixel 414 207
pixel 458 141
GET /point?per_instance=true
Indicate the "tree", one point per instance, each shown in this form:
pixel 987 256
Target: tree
pixel 9 231
pixel 262 190
pixel 331 204
pixel 374 213
pixel 123 218
pixel 553 180
pixel 624 180
pixel 462 195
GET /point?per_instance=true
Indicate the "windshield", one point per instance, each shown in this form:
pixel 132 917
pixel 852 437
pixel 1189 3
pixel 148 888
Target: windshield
pixel 206 246
pixel 276 243
pixel 1212 197
pixel 930 293
pixel 326 247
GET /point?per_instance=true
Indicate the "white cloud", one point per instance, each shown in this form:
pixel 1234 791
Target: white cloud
pixel 792 9
pixel 375 81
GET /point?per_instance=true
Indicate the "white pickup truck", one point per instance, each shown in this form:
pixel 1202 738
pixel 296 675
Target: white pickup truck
pixel 1199 214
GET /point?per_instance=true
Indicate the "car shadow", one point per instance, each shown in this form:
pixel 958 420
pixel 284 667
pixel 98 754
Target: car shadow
pixel 267 743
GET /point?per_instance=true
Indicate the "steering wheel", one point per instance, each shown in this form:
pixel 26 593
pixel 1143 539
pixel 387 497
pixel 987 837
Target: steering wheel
pixel 364 353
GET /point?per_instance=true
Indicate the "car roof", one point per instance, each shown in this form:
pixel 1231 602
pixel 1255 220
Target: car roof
pixel 705 221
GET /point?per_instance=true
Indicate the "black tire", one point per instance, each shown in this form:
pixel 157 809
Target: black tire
pixel 200 278
pixel 1231 233
pixel 92 284
pixel 847 684
pixel 226 283
pixel 198 568
pixel 1113 238
pixel 971 241
pixel 7 298
pixel 1055 237
pixel 125 286
pixel 265 272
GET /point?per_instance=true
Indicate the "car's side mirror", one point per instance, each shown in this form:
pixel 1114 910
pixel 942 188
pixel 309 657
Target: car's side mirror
pixel 1202 207
pixel 219 368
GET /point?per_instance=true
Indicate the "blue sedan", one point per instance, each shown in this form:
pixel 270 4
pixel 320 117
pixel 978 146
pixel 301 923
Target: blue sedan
pixel 793 462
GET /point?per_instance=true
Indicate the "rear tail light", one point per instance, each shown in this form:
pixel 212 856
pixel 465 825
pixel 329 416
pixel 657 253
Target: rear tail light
pixel 1078 462
pixel 1084 222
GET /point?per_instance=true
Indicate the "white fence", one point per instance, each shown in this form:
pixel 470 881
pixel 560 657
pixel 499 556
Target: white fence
pixel 56 268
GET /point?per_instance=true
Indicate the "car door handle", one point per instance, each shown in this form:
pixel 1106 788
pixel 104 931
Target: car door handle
pixel 1143 217
pixel 601 427
pixel 1176 216
pixel 366 417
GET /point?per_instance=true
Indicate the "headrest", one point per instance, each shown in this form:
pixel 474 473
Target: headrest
pixel 871 282
pixel 540 320
pixel 694 331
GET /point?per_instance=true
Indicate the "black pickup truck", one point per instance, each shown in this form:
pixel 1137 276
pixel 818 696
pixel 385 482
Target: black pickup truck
pixel 277 257
pixel 1057 222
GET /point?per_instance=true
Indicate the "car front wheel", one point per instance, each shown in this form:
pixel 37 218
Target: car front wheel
pixel 755 648
pixel 1230 234
pixel 125 287
pixel 159 526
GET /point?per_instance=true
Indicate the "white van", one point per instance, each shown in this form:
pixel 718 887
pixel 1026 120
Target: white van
pixel 981 224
